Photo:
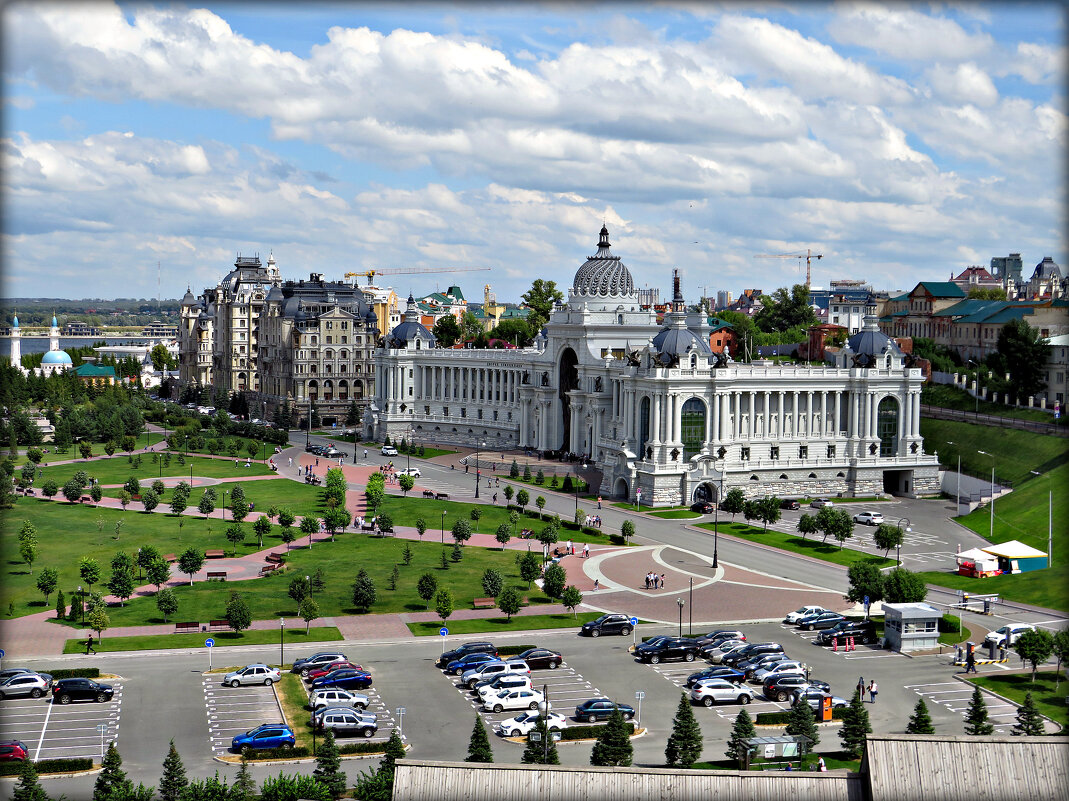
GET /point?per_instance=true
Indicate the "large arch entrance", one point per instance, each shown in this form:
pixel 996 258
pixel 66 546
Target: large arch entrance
pixel 706 492
pixel 567 379
pixel 620 489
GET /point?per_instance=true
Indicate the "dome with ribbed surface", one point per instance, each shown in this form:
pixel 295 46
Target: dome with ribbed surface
pixel 603 274
pixel 56 357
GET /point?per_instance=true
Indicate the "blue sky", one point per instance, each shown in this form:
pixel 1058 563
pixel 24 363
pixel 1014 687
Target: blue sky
pixel 904 142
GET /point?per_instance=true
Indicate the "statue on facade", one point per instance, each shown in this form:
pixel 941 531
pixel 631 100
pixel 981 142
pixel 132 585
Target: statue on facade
pixel 597 384
pixel 545 378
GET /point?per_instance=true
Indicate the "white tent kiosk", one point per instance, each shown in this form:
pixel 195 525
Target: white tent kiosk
pixel 977 563
pixel 1016 557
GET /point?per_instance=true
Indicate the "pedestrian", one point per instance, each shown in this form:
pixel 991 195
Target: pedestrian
pixel 647 580
pixel 599 501
pixel 970 663
pixel 569 548
pixel 596 582
pixel 495 497
pixel 290 462
pixel 365 453
pixel 89 646
pixel 873 690
pixel 820 764
pixel 586 551
pixel 861 687
pixel 790 766
pixel 661 583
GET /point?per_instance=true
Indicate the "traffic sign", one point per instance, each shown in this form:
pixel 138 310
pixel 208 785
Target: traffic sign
pixel 209 642
pixel 634 621
pixel 1 653
pixel 443 631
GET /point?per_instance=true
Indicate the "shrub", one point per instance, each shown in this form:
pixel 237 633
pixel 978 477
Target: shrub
pixel 70 765
pixel 74 673
pixel 278 753
pixel 588 732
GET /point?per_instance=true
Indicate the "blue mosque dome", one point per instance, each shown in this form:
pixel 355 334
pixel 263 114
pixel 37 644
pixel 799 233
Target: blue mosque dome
pixel 15 321
pixel 55 322
pixel 56 357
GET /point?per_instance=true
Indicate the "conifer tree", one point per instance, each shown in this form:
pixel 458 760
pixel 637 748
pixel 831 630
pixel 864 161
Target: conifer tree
pixel 244 785
pixel 28 787
pixel 976 722
pixel 855 727
pixel 801 722
pixel 112 784
pixel 173 783
pixel 742 731
pixel 1029 722
pixel 328 766
pixel 920 722
pixel 541 752
pixel 613 748
pixel 685 742
pixel 479 746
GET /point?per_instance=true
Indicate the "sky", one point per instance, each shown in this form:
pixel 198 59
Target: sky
pixel 901 142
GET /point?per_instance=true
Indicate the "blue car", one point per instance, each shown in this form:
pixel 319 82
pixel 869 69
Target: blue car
pixel 267 735
pixel 467 662
pixel 346 679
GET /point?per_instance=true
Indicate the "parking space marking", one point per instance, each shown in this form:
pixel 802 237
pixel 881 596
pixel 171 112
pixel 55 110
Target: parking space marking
pixel 861 651
pixel 960 696
pixel 235 710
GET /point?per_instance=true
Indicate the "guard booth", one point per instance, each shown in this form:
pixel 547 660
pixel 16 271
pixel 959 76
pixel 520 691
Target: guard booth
pixel 767 752
pixel 911 627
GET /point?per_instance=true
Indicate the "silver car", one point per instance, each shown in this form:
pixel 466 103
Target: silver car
pixel 786 667
pixel 321 699
pixel 716 657
pixel 346 720
pixel 23 685
pixel 253 674
pixel 709 691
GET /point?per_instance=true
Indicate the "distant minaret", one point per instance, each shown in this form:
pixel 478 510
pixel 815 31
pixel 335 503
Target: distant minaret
pixel 53 335
pixel 16 343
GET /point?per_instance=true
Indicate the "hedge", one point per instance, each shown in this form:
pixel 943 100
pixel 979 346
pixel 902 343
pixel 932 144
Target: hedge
pixel 362 748
pixel 782 718
pixel 587 732
pixel 617 539
pixel 74 673
pixel 71 765
pixel 513 650
pixel 277 753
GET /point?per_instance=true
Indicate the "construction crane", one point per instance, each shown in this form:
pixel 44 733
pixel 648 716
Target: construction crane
pixel 370 274
pixel 808 256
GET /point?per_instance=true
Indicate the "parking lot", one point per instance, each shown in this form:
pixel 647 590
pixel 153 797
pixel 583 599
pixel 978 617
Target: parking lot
pixel 235 710
pixel 677 672
pixel 52 731
pixel 384 715
pixel 860 650
pixel 955 695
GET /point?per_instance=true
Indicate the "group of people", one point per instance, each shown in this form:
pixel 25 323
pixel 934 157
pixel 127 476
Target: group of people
pixel 593 520
pixel 654 581
pixel 873 689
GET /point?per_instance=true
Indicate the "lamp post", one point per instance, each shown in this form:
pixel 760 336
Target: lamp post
pixel 690 611
pixel 443 528
pixel 81 603
pixel 308 428
pixel 281 641
pixel 898 548
pixel 958 510
pixel 543 709
pixel 991 525
pixel 1050 518
pixel 222 509
pixel 716 523
pixel 308 581
pixel 478 445
pixel 639 695
pixel 576 471
pixel 191 472
pixel 679 603
pixel 401 722
pixel 263 420
pixel 139 564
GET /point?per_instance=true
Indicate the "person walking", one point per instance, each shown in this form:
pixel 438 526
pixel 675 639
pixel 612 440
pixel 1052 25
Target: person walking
pixel 365 454
pixel 820 764
pixel 586 551
pixel 861 687
pixel 647 580
pixel 970 662
pixel 660 583
pixel 569 548
pixel 89 646
pixel 596 583
pixel 873 690
pixel 599 501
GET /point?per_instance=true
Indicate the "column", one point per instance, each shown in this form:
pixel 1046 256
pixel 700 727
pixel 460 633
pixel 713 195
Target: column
pixel 853 411
pixel 752 428
pixel 677 430
pixel 823 413
pixel 768 415
pixel 779 415
pixel 655 421
pixel 873 411
pixel 711 410
pixel 915 429
pixel 835 415
pixel 725 416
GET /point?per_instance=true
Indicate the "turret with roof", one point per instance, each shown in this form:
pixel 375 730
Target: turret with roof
pixel 675 340
pixel 870 347
pixel 410 333
pixel 603 275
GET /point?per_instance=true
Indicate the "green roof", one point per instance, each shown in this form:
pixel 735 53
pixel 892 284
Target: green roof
pixel 903 297
pixel 969 307
pixel 90 370
pixel 455 292
pixel 515 313
pixel 942 289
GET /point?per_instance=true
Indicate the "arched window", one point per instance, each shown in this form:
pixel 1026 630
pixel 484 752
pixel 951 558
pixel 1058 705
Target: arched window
pixel 887 426
pixel 692 427
pixel 643 424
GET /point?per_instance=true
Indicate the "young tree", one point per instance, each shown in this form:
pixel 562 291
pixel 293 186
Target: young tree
pixel 47 581
pixel 244 788
pixel 976 719
pixel 112 784
pixel 238 614
pixel 571 598
pixel 1029 721
pixel 542 751
pixel 461 530
pixel 173 783
pixel 802 723
pixel 865 580
pixel 97 619
pixel 901 586
pixel 61 606
pixel 406 555
pixel 328 767
pixel 207 503
pixel 132 485
pixel 309 526
pixel 476 513
pixel 426 587
pixel 29 787
pixel 363 591
pixel 89 571
pixel 479 745
pixel 554 580
pixel 157 572
pixel 627 530
pixel 235 534
pixel 540 502
pixel 150 500
pixel 1061 652
pixel 179 502
pixel 523 497
pixel 298 589
pixel 856 727
pixel 261 527
pixel 920 722
pixel 443 603
pixel 239 507
pixel 28 547
pixel 685 742
pixel 1035 647
pixel 887 537
pixel 613 747
pixel 421 529
pixel 121 583
pixel 530 567
pixel 493 582
pixel 769 510
pixel 96 493
pixel 166 602
pixel 1023 353
pixel 72 490
pixel 406 482
pixel 807 524
pixel 509 602
pixel 514 470
pixel 190 562
pixel 508 493
pixel 734 502
pixel 841 526
pixel 503 534
pixel 85 449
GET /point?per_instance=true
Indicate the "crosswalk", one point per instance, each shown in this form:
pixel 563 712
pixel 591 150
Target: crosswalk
pixel 955 696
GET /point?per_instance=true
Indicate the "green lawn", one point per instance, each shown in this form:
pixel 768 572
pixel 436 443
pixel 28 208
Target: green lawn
pixel 149 438
pixel 502 624
pixel 299 498
pixel 1015 686
pixel 951 397
pixel 811 546
pixel 263 451
pixel 1016 452
pixel 152 642
pixel 676 514
pixel 118 469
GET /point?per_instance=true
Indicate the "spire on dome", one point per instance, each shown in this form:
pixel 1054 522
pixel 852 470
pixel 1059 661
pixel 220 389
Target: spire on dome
pixel 55 322
pixel 603 238
pixel 15 320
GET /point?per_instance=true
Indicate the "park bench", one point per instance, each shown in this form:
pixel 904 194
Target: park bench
pixel 268 569
pixel 218 625
pixel 428 493
pixel 275 558
pixel 214 553
pixel 441 496
pixel 484 603
pixel 367 527
pixel 170 557
pixel 189 626
pixel 217 574
pixel 84 499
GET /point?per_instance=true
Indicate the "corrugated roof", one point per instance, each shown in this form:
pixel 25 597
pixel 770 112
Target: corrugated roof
pixel 971 306
pixel 942 289
pixel 89 370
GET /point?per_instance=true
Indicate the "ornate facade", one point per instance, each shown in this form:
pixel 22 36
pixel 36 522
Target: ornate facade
pixel 656 409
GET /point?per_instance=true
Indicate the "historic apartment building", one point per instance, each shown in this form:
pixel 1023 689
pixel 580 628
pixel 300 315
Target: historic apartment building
pixel 657 410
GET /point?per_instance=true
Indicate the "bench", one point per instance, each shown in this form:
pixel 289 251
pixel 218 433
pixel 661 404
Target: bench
pixel 367 527
pixel 428 493
pixel 275 558
pixel 441 496
pixel 217 574
pixel 190 626
pixel 218 625
pixel 484 603
pixel 214 553
pixel 170 557
pixel 84 499
pixel 268 569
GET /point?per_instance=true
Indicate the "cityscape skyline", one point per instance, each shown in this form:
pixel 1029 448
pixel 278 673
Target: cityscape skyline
pixel 903 143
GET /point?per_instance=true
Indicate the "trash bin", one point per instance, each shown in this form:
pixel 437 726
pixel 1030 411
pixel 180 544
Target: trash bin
pixel 991 650
pixel 987 606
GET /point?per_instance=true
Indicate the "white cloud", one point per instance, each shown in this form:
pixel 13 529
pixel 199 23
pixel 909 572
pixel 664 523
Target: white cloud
pixel 906 33
pixel 1038 63
pixel 963 83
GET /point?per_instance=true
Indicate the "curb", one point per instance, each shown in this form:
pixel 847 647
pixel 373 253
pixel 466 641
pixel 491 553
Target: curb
pixel 963 680
pixel 232 759
pixel 75 775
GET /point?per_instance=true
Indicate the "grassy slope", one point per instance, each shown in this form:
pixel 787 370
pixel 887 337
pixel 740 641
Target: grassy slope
pixel 1016 685
pixel 72 453
pixel 811 546
pixel 950 397
pixel 1016 452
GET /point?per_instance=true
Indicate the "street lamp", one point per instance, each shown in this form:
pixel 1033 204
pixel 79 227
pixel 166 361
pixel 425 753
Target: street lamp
pixel 281 641
pixel 1050 517
pixel 716 520
pixel 991 525
pixel 401 722
pixel 478 445
pixel 222 509
pixel 898 548
pixel 81 603
pixel 139 564
pixel 958 510
pixel 443 527
pixel 543 709
pixel 308 581
pixel 639 695
pixel 679 602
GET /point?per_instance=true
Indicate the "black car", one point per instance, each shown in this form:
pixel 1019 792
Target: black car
pixel 607 624
pixel 821 620
pixel 464 650
pixel 703 507
pixel 781 688
pixel 317 660
pixel 731 674
pixel 600 708
pixel 666 649
pixel 66 690
pixel 541 658
pixel 789 503
pixel 750 651
pixel 863 631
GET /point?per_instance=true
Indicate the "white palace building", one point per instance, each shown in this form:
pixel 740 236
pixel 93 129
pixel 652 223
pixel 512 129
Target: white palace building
pixel 655 409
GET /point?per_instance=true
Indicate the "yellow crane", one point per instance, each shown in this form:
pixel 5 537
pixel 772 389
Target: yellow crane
pixel 808 256
pixel 370 274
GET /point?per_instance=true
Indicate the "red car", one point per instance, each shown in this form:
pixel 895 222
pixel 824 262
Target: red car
pixel 13 751
pixel 320 672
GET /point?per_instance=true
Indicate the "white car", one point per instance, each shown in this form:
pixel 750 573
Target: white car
pixel 1014 630
pixel 525 722
pixel 489 670
pixel 388 450
pixel 716 657
pixel 253 674
pixel 513 699
pixel 783 668
pixel 410 471
pixel 709 691
pixel 337 697
pixel 869 518
pixel 509 681
pixel 793 617
pixel 820 503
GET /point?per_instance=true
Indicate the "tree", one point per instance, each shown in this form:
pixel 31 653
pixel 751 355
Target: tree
pixel 627 530
pixel 503 534
pixel 28 549
pixel 509 602
pixel 807 524
pixel 479 745
pixel 157 572
pixel 97 619
pixel 261 527
pixel 166 602
pixel 685 742
pixel 508 493
pixel 1061 651
pixel 1022 353
pixel 548 535
pixel 406 482
pixel 475 514
pixel 523 497
pixel 540 477
pixel 29 787
pixel 96 493
pixel 239 507
pixel 124 499
pixel 733 503
pixel 613 746
pixel 540 299
pixel 866 581
pixel 1029 721
pixel 328 767
pixel 112 784
pixel 319 583
pixel 244 788
pixel 309 611
pixel 901 586
pixel 887 537
pixel 461 530
pixel 992 293
pixel 378 786
pixel 751 510
pixel 571 598
pixel 89 571
pixel 121 583
pixel 443 603
pixel 190 562
pixel 976 721
pixel 235 534
pixel 783 310
pixel 542 751
pixel 920 722
pixel 207 503
pixel 514 470
pixel 47 581
pixel 540 502
pixel 1035 647
pixel 530 568
pixel 173 783
pixel 132 485
pixel 554 580
pixel 237 612
pixel 426 587
pixel 363 591
pixel 72 490
pixel 309 526
pixel 85 449
pixel 298 589
pixel 840 525
pixel 768 510
pixel 293 787
pixel 802 723
pixel 493 582
pixel 179 502
pixel 447 331
pixel 856 726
